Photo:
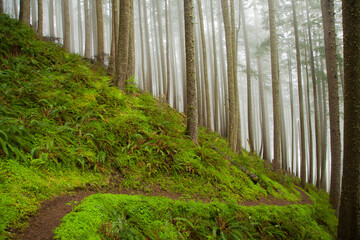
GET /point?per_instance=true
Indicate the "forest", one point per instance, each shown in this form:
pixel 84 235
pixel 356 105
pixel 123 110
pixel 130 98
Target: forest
pixel 179 119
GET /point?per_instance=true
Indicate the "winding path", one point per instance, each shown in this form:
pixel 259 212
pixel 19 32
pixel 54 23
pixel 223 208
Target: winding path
pixel 42 225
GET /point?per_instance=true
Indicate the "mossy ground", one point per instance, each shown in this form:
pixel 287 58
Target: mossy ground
pixel 62 122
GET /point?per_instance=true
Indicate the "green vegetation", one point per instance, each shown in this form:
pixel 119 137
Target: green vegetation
pixel 63 127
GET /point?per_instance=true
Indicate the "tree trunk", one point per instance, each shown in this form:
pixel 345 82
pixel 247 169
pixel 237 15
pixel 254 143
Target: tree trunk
pixel 204 65
pixel 33 14
pixel 148 80
pixel 162 54
pixel 349 214
pixel 293 124
pixel 316 104
pixel 311 170
pixel 25 11
pixel 230 69
pixel 51 18
pixel 192 121
pixel 182 58
pixel 40 18
pixel 100 32
pixel 167 52
pixel 87 30
pixel 80 29
pixel 327 7
pixel 121 60
pixel 131 58
pixel 216 81
pixel 301 99
pixel 264 130
pixel 1 7
pixel 66 24
pixel 275 85
pixel 248 77
pixel 115 35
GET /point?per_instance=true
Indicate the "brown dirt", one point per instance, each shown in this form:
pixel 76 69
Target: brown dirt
pixel 42 225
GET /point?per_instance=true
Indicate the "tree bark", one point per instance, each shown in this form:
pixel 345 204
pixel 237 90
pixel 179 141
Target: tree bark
pixel 204 66
pixel 215 80
pixel 316 104
pixel 162 54
pixel 301 99
pixel 115 34
pixel 25 11
pixel 80 29
pixel 148 80
pixel 230 69
pixel 327 7
pixel 51 18
pixel 100 32
pixel 349 214
pixel 1 7
pixel 131 58
pixel 275 85
pixel 248 78
pixel 87 30
pixel 40 18
pixel 311 156
pixel 66 24
pixel 167 53
pixel 121 60
pixel 192 121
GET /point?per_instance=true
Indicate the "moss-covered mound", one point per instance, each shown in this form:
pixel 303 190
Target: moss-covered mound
pixel 63 127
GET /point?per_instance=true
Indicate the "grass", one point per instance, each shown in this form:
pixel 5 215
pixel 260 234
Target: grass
pixel 62 121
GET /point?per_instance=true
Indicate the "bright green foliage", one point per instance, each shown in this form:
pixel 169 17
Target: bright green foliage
pixel 61 121
pixel 107 216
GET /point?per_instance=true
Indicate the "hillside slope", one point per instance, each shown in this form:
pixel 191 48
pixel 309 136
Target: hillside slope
pixel 63 127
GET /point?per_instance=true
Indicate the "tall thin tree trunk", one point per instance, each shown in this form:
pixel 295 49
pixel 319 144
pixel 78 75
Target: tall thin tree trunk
pixel 87 30
pixel 284 155
pixel 191 127
pixel 215 68
pixel 40 18
pixel 182 65
pixel 327 7
pixel 275 84
pixel 162 54
pixel 115 35
pixel 230 66
pixel 131 57
pixel 148 81
pixel 25 11
pixel 264 130
pixel 293 124
pixel 80 29
pixel 121 61
pixel 51 18
pixel 248 77
pixel 167 52
pixel 100 32
pixel 33 14
pixel 301 98
pixel 66 24
pixel 204 65
pixel 311 156
pixel 316 104
pixel 349 215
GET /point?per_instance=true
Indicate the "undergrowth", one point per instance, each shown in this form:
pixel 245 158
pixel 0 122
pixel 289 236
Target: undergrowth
pixel 62 121
pixel 107 216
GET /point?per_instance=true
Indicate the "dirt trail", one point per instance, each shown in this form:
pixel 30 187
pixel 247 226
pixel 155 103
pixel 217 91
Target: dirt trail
pixel 42 225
